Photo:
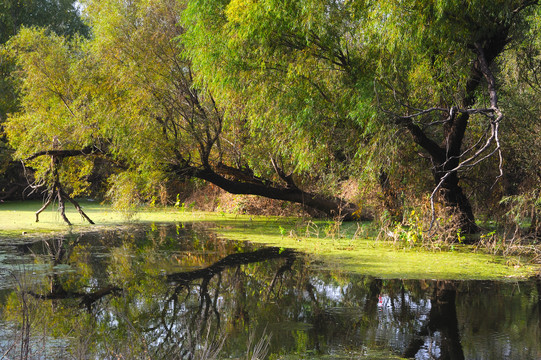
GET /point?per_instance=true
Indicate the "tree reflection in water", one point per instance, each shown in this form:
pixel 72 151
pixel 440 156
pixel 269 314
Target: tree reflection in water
pixel 442 320
pixel 177 292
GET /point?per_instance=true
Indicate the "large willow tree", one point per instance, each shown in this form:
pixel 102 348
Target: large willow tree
pixel 428 67
pixel 128 93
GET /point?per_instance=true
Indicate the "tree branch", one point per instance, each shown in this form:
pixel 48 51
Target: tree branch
pixel 287 178
pixel 89 150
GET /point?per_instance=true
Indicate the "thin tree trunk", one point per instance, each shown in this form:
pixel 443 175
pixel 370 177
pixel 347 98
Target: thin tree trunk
pixel 62 207
pixel 78 207
pixel 390 197
pixel 47 203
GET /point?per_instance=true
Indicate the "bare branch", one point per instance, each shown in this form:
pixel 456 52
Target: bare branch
pixel 287 178
pixel 424 112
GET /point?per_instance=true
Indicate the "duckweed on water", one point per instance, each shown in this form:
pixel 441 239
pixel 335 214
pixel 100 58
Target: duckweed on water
pixel 333 247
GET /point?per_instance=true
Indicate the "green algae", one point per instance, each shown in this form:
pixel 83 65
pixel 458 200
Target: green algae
pixel 384 260
pixel 332 246
pixel 17 218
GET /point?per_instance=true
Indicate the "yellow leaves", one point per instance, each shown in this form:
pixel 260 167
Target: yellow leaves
pixel 76 171
pixel 80 261
pixel 51 74
pixel 238 11
pixel 421 81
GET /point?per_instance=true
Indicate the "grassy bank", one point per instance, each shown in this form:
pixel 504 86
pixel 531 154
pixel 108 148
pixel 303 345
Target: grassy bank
pixel 349 247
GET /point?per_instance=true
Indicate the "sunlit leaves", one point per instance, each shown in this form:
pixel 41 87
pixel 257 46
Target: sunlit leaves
pixel 291 64
pixel 55 112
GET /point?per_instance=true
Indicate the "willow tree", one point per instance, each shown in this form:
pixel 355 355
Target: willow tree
pixel 129 91
pixel 183 130
pixel 59 16
pixel 56 123
pixel 312 66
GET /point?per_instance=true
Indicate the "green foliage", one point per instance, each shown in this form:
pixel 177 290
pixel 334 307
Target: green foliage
pixel 130 189
pixel 521 88
pixel 183 206
pixel 523 208
pixel 290 66
pixel 59 16
pixel 55 113
pixel 314 85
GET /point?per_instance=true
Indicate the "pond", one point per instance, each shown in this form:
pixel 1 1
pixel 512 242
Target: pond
pixel 176 291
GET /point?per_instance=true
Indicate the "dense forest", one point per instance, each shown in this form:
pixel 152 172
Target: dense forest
pixel 420 114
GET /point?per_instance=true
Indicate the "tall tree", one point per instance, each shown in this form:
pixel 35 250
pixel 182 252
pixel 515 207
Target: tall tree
pixel 130 92
pixel 426 65
pixel 61 17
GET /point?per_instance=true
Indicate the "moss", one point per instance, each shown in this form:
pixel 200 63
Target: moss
pixel 349 247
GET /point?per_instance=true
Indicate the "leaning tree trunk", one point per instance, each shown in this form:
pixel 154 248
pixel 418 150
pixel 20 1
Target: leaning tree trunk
pixel 334 207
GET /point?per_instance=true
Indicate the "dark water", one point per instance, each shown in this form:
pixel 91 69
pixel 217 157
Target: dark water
pixel 177 292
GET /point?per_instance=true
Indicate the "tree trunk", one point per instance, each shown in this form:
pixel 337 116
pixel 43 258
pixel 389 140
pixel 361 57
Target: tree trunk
pixel 535 225
pixel 332 206
pixel 453 197
pixel 445 159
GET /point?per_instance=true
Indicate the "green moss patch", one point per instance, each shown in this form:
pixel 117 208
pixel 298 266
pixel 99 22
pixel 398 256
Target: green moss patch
pixel 346 247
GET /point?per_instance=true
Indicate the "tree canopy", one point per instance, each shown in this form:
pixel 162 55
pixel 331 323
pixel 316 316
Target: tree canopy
pixel 289 99
pixel 59 16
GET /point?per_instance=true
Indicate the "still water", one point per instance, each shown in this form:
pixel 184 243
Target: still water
pixel 178 292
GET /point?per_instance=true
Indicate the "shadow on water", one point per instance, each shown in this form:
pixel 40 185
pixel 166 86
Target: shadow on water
pixel 178 292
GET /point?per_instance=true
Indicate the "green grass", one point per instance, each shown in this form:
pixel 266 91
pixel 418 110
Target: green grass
pixel 331 247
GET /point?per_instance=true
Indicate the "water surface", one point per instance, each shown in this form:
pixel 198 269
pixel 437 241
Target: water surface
pixel 178 292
